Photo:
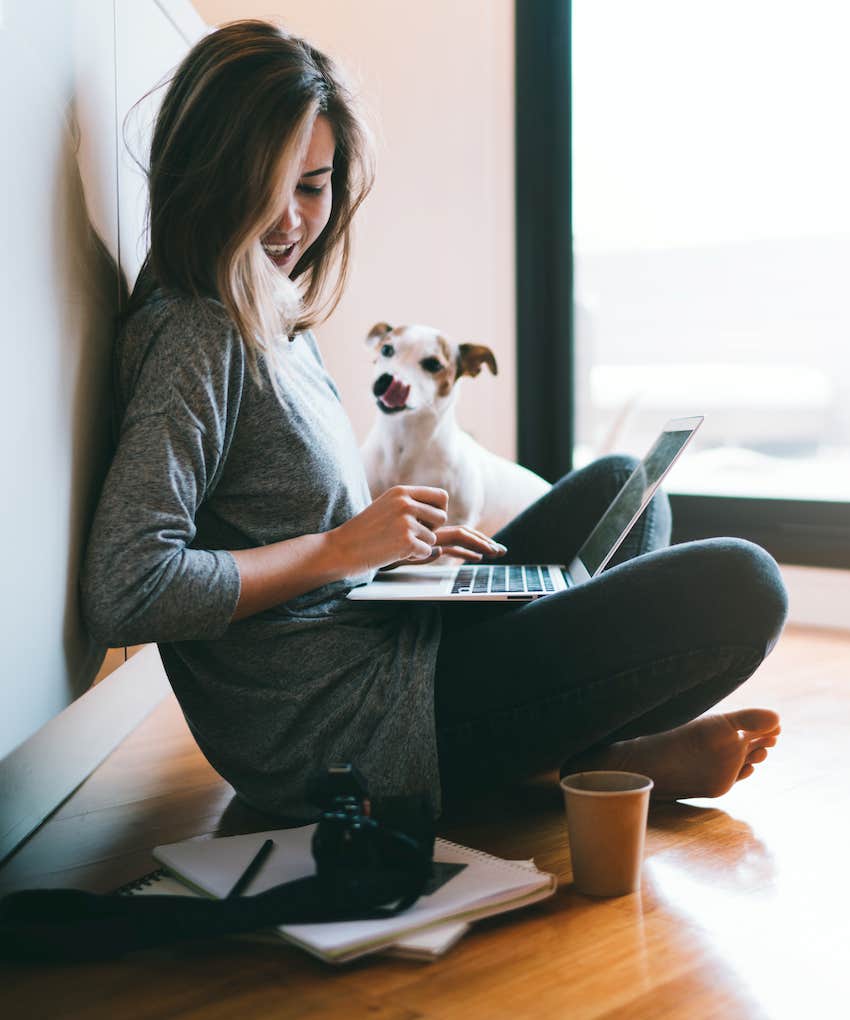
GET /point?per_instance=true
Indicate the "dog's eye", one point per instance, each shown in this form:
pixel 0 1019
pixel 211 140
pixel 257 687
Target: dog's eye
pixel 431 364
pixel 388 350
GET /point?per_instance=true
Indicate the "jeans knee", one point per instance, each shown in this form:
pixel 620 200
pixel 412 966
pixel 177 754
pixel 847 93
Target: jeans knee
pixel 752 587
pixel 617 466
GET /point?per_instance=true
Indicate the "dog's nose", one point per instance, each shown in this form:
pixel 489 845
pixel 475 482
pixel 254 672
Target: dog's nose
pixel 382 384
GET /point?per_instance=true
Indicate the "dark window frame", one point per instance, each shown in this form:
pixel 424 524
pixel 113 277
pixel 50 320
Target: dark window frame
pixel 795 531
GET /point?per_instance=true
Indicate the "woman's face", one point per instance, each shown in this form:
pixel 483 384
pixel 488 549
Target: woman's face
pixel 309 207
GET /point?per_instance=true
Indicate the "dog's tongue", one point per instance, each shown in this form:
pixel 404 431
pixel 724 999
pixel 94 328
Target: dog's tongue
pixel 396 394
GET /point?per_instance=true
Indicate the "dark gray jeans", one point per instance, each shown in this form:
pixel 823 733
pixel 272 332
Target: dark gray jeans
pixel 662 634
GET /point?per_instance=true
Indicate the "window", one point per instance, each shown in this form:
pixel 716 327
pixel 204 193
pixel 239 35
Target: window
pixel 711 236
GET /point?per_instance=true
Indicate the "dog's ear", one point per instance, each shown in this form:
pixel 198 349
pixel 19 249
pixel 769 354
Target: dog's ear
pixel 470 358
pixel 377 332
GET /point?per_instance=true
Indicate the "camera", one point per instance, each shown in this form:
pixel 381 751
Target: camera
pixel 355 840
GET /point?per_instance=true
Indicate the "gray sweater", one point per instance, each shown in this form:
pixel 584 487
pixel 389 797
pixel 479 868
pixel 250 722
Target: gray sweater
pixel 208 461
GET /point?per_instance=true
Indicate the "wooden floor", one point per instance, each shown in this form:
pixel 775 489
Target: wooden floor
pixel 744 910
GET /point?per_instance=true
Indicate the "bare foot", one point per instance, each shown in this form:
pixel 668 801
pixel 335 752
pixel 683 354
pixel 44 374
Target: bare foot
pixel 703 758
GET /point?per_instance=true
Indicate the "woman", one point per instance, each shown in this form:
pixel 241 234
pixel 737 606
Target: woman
pixel 236 516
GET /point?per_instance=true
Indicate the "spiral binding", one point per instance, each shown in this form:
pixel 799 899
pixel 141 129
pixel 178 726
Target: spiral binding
pixel 466 850
pixel 140 883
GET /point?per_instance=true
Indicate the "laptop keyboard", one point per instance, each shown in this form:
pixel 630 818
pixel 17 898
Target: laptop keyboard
pixel 519 580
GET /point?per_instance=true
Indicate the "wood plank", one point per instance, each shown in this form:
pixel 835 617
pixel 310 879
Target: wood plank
pixel 742 913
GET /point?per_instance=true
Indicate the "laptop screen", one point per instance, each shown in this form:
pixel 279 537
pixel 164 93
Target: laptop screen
pixel 630 502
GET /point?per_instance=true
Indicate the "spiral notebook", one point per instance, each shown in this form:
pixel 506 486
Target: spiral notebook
pixel 483 886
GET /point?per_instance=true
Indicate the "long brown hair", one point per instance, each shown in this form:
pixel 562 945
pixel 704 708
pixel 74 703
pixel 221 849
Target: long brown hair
pixel 226 151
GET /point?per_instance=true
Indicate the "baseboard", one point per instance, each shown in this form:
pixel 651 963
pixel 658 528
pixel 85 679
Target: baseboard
pixel 45 769
pixel 818 597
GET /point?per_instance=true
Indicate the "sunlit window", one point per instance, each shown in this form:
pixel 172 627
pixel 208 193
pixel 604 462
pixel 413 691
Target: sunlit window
pixel 711 211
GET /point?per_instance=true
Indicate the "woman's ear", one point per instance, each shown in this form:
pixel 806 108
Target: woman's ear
pixel 378 332
pixel 470 358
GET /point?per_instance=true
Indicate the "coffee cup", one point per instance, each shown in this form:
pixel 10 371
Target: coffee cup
pixel 606 818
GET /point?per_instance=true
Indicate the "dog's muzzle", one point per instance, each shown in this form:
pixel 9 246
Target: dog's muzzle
pixel 392 393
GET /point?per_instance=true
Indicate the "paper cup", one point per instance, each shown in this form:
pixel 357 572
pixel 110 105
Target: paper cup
pixel 606 817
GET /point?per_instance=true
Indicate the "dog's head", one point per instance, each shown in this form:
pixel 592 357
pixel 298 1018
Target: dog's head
pixel 416 367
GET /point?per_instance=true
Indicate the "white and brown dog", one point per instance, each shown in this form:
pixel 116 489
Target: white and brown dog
pixel 416 440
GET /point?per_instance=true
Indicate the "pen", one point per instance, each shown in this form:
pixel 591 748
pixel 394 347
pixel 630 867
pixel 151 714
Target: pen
pixel 252 868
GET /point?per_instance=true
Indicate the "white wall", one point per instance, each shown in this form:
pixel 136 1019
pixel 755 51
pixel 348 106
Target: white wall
pixel 435 240
pixel 68 207
pixel 59 294
pixel 61 186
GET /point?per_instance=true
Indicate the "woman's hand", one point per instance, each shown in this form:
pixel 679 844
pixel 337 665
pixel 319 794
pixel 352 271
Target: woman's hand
pixel 458 540
pixel 467 543
pixel 400 525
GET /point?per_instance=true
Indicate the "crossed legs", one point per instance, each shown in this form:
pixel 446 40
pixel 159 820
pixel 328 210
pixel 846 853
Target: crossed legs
pixel 615 672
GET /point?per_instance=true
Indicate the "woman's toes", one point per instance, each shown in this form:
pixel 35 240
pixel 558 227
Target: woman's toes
pixel 755 720
pixel 747 770
pixel 768 741
pixel 755 756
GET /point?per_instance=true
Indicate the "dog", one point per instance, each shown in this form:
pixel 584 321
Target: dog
pixel 415 439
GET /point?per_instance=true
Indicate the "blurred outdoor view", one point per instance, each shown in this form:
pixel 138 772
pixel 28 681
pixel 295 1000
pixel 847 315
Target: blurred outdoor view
pixel 711 208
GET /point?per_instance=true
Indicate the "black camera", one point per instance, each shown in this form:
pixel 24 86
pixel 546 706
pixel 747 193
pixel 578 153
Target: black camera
pixel 356 840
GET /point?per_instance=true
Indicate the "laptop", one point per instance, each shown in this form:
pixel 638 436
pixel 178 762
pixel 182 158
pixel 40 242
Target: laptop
pixel 523 582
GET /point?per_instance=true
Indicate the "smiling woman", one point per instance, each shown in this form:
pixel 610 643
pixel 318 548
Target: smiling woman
pixel 236 513
pixel 252 130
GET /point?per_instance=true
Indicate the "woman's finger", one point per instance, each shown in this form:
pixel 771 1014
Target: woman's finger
pixel 425 534
pixel 462 552
pixel 429 495
pixel 462 533
pixel 433 552
pixel 431 515
pixel 469 538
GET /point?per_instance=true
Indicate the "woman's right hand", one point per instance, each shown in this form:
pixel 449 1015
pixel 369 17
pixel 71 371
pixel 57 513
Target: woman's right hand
pixel 399 525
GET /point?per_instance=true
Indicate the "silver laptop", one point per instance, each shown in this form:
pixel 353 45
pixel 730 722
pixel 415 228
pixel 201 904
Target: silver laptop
pixel 523 582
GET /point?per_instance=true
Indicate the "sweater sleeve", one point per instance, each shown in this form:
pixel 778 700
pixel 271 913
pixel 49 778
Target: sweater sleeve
pixel 142 579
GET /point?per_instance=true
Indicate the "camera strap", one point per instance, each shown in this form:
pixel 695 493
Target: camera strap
pixel 69 924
